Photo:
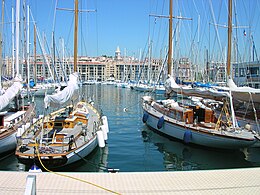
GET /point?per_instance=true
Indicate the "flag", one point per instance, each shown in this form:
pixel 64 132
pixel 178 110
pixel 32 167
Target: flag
pixel 244 33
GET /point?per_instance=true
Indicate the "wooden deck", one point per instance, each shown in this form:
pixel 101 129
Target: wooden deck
pixel 232 181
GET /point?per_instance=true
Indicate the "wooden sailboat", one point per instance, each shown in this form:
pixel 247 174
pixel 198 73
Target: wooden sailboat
pixel 66 135
pixel 196 124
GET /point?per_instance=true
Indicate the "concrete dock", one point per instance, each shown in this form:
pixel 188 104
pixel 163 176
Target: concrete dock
pixel 231 181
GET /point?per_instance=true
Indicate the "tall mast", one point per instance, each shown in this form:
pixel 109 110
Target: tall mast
pixel 17 36
pixel 13 50
pixel 170 41
pixel 229 76
pixel 76 12
pixel 229 38
pixel 1 44
pixel 35 66
pixel 28 46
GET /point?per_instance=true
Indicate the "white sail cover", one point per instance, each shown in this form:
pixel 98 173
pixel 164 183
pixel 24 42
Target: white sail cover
pixel 11 92
pixel 67 94
pixel 246 94
pixel 171 85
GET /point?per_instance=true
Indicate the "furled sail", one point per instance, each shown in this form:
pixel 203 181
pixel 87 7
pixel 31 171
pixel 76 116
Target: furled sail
pixel 10 93
pixel 69 93
pixel 172 86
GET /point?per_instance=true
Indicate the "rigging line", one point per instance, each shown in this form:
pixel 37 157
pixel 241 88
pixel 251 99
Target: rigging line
pixel 125 109
pixel 256 120
pixel 71 177
pixel 216 29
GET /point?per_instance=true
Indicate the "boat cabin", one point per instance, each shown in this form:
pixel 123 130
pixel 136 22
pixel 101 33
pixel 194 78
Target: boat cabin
pixel 14 118
pixel 188 114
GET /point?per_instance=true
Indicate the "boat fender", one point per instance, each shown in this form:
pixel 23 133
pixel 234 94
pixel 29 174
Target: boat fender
pixel 103 129
pixel 248 127
pixel 19 132
pixel 101 142
pixel 145 117
pixel 187 136
pixel 27 125
pixel 34 120
pixel 105 122
pixel 160 122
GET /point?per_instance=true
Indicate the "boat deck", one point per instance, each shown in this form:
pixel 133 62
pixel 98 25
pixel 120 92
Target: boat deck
pixel 232 181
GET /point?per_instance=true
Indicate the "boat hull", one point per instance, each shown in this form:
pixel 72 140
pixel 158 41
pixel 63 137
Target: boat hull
pixel 62 160
pixel 177 130
pixel 8 143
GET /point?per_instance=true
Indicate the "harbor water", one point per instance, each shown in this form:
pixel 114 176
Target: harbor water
pixel 133 147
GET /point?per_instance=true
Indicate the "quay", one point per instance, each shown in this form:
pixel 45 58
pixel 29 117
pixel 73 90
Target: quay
pixel 225 181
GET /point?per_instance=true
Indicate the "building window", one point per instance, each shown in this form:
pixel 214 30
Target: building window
pixel 241 72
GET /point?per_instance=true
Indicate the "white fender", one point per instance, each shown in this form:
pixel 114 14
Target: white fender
pixel 101 142
pixel 105 122
pixel 104 130
pixel 19 132
pixel 27 125
pixel 34 120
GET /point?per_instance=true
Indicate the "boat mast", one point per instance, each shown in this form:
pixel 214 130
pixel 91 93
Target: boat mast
pixel 76 13
pixel 34 48
pixel 169 63
pixel 229 38
pixel 1 45
pixel 229 76
pixel 13 50
pixel 17 29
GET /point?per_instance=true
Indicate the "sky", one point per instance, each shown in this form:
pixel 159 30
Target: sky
pixel 129 25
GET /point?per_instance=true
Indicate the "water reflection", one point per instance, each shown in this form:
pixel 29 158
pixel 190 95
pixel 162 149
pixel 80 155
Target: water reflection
pixel 179 157
pixel 252 155
pixel 95 162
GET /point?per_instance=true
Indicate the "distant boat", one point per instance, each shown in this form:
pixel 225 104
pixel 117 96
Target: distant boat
pixel 109 81
pixel 143 87
pixel 196 124
pixel 68 134
pixel 43 89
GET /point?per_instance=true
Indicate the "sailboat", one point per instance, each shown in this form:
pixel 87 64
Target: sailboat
pixel 18 118
pixel 68 134
pixel 196 124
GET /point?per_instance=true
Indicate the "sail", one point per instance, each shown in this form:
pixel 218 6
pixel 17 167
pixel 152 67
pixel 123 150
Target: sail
pixel 10 93
pixel 69 93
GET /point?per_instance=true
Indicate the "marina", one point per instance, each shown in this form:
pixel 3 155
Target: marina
pixel 177 119
pixel 133 147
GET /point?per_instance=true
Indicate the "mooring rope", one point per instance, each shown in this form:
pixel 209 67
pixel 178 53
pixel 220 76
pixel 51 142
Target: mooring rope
pixel 71 177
